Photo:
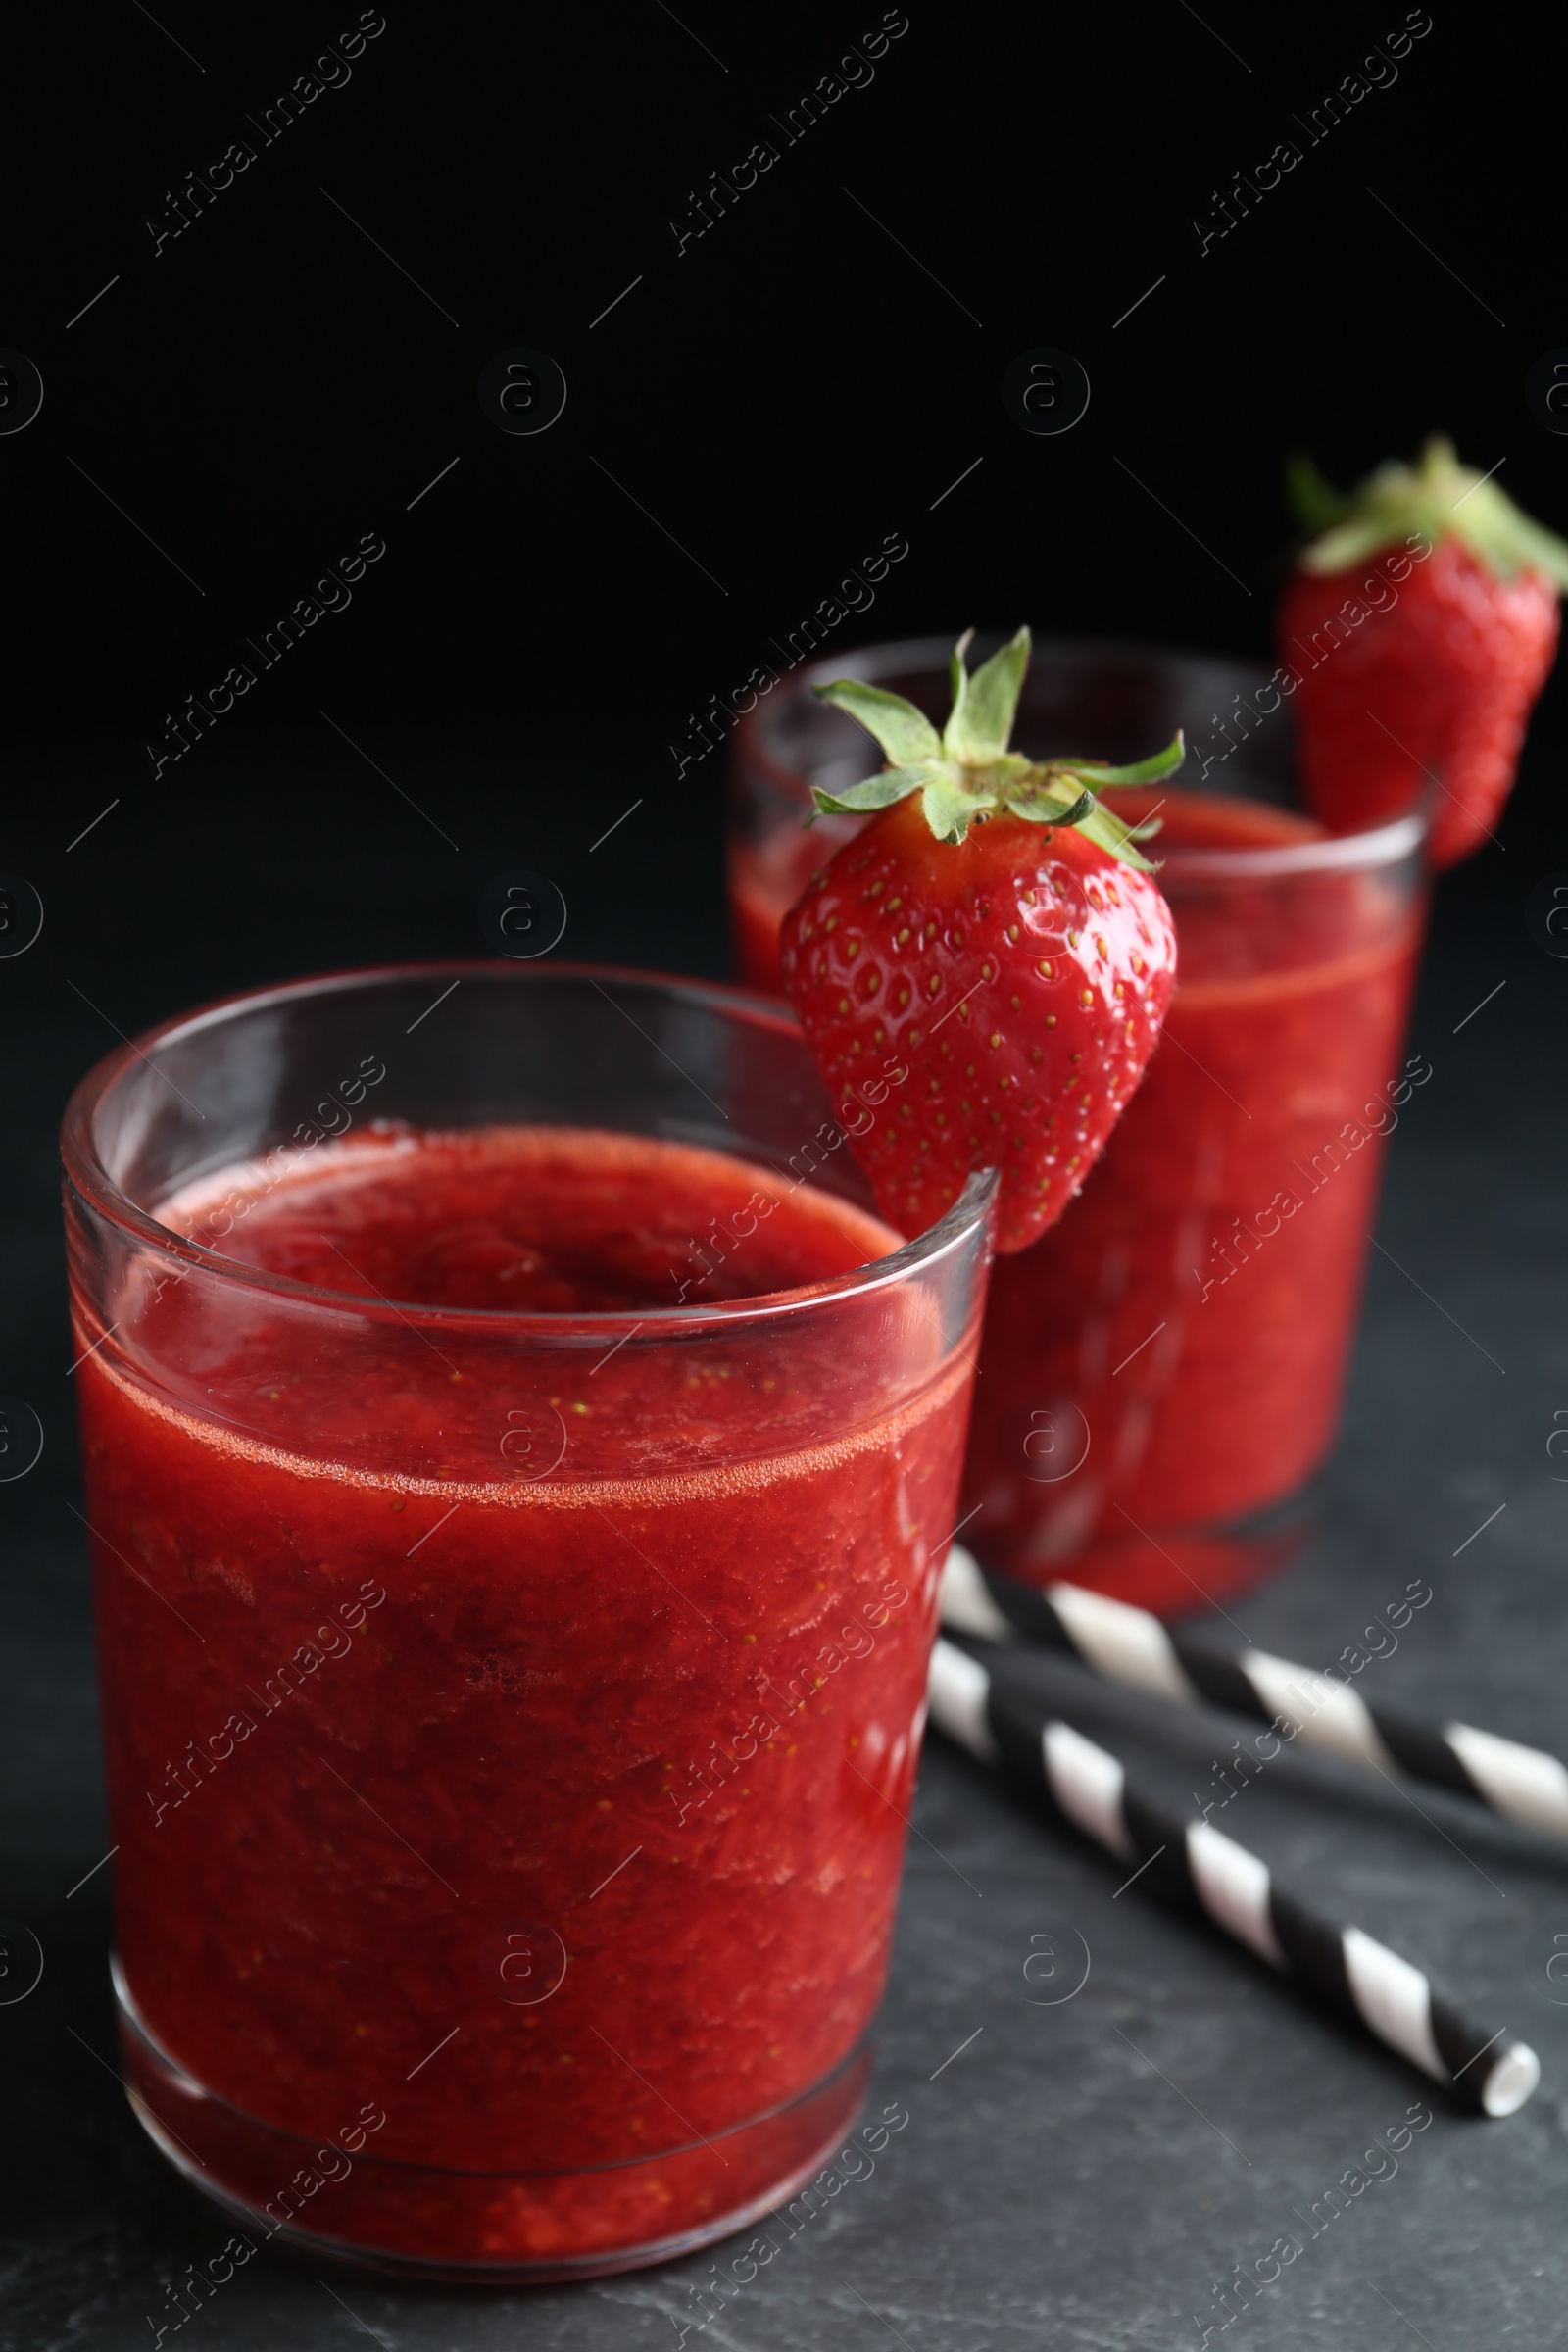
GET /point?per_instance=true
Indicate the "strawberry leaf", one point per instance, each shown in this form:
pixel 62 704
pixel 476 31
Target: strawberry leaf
pixel 1428 500
pixel 958 687
pixel 1110 833
pixel 1510 540
pixel 879 791
pixel 1051 802
pixel 1316 503
pixel 903 731
pixel 1142 772
pixel 967 772
pixel 1347 544
pixel 1064 812
pixel 983 714
pixel 948 809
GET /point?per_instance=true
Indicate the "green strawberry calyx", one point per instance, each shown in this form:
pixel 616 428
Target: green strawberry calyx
pixel 967 774
pixel 1432 499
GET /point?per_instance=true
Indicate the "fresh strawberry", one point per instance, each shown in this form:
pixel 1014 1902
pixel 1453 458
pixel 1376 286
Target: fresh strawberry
pixel 982 998
pixel 1422 623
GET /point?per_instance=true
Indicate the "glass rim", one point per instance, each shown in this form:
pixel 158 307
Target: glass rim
pixel 98 1190
pixel 1385 844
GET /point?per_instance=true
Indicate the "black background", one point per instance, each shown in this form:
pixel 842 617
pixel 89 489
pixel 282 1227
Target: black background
pixel 781 395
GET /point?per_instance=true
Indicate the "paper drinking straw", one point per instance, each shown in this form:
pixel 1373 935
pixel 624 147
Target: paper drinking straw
pixel 1002 1722
pixel 1130 1645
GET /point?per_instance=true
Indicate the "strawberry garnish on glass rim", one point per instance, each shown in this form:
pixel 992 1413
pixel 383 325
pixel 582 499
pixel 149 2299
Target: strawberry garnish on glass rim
pixel 982 972
pixel 1421 623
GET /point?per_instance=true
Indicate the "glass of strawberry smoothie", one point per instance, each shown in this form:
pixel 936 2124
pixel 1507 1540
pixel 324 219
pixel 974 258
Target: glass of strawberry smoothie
pixel 1162 1372
pixel 519 1464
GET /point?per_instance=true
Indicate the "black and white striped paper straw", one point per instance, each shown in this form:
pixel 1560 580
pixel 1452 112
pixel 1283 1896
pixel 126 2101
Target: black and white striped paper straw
pixel 1001 1723
pixel 1130 1645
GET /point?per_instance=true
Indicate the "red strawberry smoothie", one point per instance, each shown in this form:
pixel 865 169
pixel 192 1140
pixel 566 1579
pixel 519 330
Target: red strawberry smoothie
pixel 549 1810
pixel 1169 1358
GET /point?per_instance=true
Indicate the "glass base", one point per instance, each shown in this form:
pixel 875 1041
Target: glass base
pixel 478 2229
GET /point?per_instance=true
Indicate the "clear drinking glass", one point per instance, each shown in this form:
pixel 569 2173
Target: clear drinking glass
pixel 511 1718
pixel 1162 1372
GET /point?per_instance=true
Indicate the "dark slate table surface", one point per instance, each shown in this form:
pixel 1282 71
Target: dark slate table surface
pixel 1083 2174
